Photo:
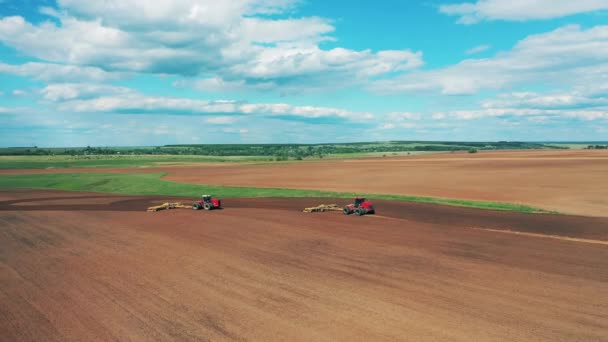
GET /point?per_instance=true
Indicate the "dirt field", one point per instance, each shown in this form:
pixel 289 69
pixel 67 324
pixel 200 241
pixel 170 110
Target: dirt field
pixel 89 267
pixel 572 182
pixel 568 181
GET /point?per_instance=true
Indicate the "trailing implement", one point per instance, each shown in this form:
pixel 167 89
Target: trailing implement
pixel 360 207
pixel 206 202
pixel 168 205
pixel 322 208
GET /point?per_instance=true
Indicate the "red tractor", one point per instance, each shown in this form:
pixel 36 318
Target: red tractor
pixel 207 203
pixel 360 207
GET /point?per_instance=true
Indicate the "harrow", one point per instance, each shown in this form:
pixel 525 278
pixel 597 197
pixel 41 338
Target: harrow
pixel 169 205
pixel 322 208
pixel 360 207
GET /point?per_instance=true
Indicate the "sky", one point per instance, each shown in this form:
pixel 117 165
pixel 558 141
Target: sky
pixel 143 73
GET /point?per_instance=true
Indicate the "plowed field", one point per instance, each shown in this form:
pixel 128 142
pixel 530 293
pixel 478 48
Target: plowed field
pixel 568 181
pixel 77 266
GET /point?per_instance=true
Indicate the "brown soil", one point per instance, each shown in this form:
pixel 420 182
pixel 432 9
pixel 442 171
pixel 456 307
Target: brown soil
pixel 91 267
pixel 568 181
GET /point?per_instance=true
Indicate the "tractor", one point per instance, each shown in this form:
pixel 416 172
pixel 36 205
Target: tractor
pixel 207 202
pixel 360 207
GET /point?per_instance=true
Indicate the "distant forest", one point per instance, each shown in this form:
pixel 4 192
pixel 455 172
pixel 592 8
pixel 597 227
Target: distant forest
pixel 286 151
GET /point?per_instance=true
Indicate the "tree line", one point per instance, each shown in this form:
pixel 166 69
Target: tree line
pixel 279 151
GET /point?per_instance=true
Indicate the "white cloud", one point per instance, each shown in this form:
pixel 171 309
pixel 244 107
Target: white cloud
pixel 233 44
pixel 566 56
pixel 584 114
pixel 170 14
pixel 19 92
pixel 288 66
pixel 581 103
pixel 438 116
pixel 235 130
pixel 285 30
pixel 87 98
pixel 477 49
pixel 222 120
pixel 406 120
pixel 72 91
pixel 57 72
pixel 90 43
pixel 217 84
pixel 520 10
pixel 553 100
pixel 403 116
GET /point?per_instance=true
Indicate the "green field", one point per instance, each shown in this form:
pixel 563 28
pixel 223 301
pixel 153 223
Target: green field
pixel 114 161
pixel 143 161
pixel 152 184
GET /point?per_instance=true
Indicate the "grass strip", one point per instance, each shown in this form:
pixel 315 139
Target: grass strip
pixel 115 161
pixel 152 184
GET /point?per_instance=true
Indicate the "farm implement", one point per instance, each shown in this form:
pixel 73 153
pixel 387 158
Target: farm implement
pixel 359 207
pixel 168 205
pixel 322 208
pixel 206 202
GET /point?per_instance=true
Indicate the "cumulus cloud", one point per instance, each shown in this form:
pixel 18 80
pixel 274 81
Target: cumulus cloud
pixel 564 56
pixel 584 114
pixel 519 10
pixel 306 68
pixel 289 61
pixel 50 72
pixel 90 98
pixel 581 103
pixel 137 14
pixel 89 43
pixel 575 99
pixel 232 43
pixel 218 84
pixel 73 91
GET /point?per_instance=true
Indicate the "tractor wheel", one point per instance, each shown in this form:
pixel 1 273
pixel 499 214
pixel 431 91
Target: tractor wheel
pixel 346 211
pixel 360 211
pixel 196 206
pixel 207 206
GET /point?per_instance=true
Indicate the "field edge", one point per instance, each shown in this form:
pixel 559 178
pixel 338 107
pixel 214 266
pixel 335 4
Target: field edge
pixel 152 184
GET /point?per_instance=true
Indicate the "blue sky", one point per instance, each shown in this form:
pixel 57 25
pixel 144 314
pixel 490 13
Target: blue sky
pixel 132 72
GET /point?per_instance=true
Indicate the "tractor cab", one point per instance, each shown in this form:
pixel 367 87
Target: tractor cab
pixel 359 201
pixel 206 198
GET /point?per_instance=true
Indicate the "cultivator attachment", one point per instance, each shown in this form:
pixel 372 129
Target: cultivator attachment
pixel 322 208
pixel 169 205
